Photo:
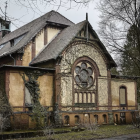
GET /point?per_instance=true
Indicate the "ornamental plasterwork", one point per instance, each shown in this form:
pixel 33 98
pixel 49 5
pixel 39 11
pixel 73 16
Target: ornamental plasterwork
pixel 81 50
pixel 84 75
pixel 103 91
pixel 67 61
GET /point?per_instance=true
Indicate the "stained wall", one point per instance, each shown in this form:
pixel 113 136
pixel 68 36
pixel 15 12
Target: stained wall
pixel 51 33
pixel 26 59
pixel 17 90
pixel 46 90
pixel 131 92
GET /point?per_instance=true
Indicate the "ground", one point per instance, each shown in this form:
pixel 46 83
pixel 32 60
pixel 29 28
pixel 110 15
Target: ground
pixel 111 132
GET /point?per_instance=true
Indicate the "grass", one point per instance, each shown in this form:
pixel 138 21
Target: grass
pixel 103 131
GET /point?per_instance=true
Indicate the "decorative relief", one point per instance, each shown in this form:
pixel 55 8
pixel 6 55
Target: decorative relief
pixel 81 50
pixel 84 76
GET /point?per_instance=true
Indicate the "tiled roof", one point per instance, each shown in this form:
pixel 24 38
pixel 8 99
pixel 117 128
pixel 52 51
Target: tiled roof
pixel 57 45
pixel 31 29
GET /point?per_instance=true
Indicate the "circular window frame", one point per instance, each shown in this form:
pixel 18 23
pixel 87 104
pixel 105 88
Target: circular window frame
pixel 86 61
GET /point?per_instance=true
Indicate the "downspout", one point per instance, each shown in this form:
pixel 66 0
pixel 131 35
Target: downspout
pixel 13 59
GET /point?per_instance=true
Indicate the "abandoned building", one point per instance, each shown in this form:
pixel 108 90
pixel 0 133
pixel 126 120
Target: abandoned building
pixel 67 69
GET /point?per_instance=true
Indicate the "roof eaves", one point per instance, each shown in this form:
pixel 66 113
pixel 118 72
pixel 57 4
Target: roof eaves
pixel 13 51
pixel 71 39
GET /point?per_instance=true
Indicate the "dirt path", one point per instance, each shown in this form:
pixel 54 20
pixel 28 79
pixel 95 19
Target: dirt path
pixel 124 137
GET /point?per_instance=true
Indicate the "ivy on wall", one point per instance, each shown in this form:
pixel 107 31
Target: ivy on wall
pixel 39 113
pixel 5 108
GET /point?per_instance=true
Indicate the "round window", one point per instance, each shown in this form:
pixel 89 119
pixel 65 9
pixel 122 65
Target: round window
pixel 84 75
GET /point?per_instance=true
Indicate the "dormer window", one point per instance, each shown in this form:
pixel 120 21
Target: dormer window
pixel 12 42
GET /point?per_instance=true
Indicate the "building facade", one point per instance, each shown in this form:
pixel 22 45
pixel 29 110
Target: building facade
pixel 65 68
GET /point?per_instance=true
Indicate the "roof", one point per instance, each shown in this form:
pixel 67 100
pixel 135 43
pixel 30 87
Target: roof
pixel 26 33
pixel 30 30
pixel 62 40
pixel 54 48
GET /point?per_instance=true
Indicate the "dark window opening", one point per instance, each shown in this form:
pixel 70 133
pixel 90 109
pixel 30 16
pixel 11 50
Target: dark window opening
pixel 77 119
pixel 96 118
pixel 66 120
pixel 122 118
pixel 105 118
pixel 12 42
pixel 116 118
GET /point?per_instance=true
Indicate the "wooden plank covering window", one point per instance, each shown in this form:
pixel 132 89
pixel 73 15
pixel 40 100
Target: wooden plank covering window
pixel 122 96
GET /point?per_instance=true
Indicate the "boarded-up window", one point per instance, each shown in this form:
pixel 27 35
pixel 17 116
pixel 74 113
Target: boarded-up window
pixel 122 96
pixel 28 97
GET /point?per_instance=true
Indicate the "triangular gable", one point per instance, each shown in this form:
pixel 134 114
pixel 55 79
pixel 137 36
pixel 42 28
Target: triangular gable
pixel 83 33
pixel 88 33
pixel 56 47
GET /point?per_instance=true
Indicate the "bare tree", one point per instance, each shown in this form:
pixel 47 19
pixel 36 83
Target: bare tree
pixel 117 17
pixel 36 7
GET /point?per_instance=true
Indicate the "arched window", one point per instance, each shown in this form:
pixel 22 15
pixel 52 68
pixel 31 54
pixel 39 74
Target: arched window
pixel 66 120
pixel 123 101
pixel 96 118
pixel 105 118
pixel 77 119
pixel 85 72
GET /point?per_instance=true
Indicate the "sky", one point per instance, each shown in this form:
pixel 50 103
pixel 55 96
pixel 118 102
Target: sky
pixel 21 13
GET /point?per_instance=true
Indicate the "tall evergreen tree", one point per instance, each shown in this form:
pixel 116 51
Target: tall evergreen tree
pixel 130 57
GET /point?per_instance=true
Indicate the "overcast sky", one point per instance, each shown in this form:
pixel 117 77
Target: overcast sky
pixel 24 14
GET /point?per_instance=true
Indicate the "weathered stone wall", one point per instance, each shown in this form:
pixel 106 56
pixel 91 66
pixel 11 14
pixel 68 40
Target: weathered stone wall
pixel 69 57
pixel 102 92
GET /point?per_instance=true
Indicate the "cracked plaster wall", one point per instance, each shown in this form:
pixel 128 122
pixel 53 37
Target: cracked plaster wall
pixel 130 86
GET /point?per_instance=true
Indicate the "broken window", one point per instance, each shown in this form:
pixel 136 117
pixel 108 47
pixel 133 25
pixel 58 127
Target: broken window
pixel 122 96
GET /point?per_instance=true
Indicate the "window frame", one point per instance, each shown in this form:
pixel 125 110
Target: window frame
pixel 123 105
